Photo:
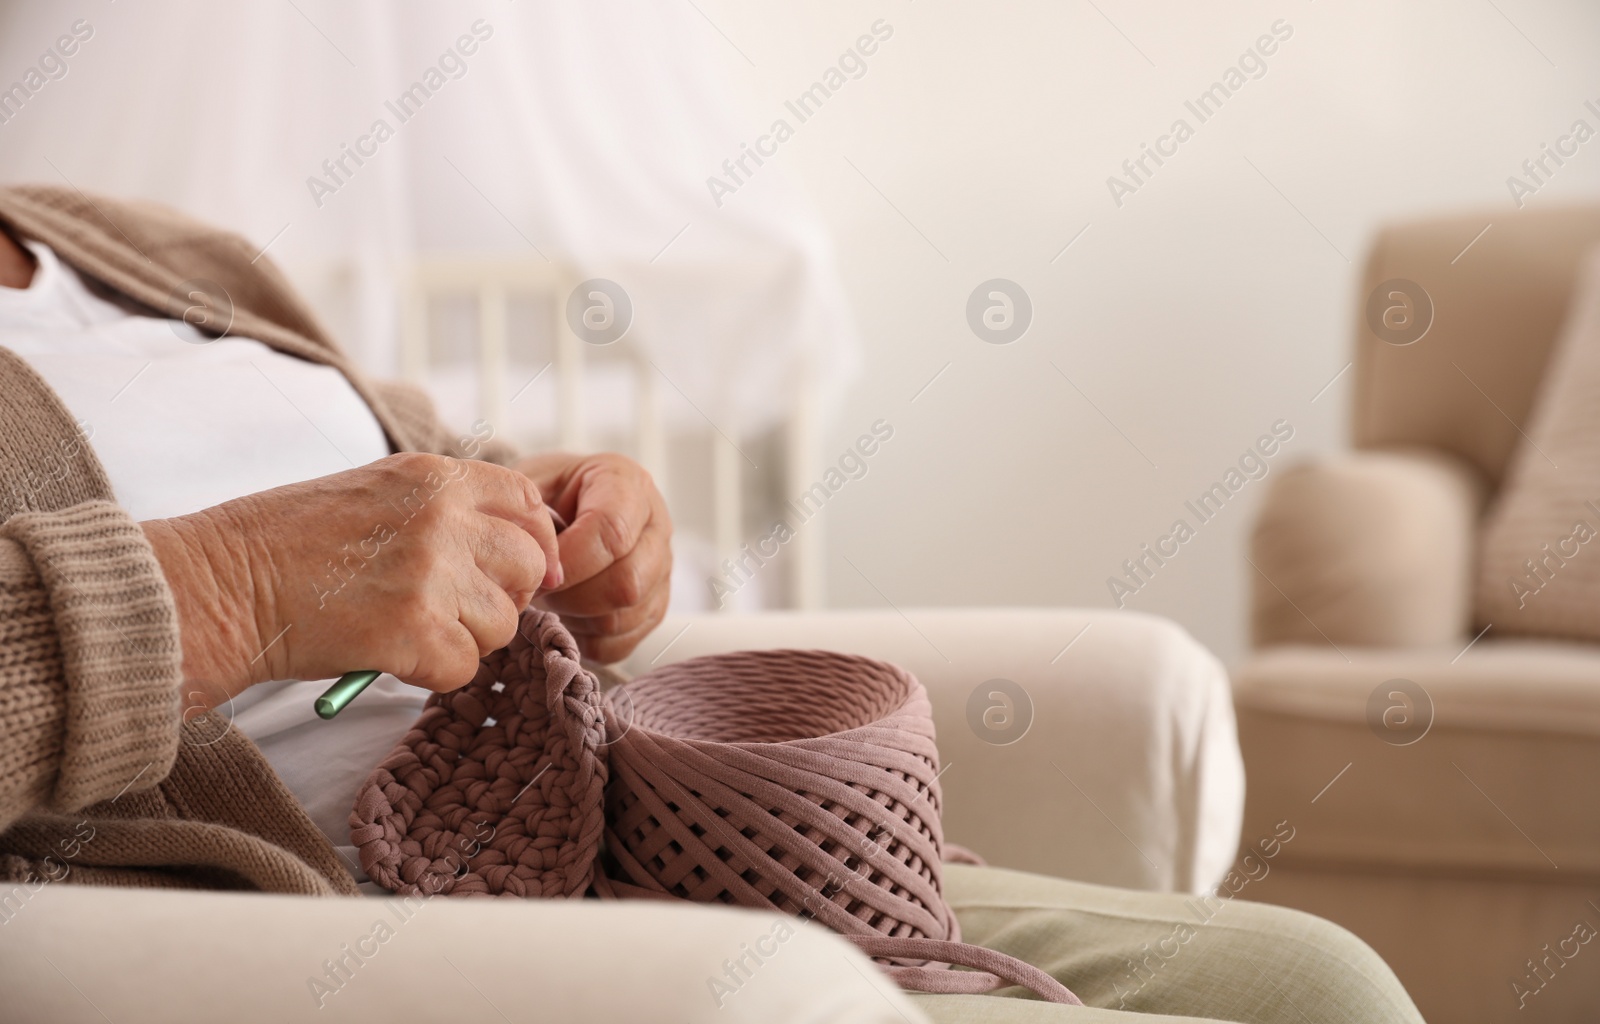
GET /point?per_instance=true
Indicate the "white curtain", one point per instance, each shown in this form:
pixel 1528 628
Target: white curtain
pixel 583 131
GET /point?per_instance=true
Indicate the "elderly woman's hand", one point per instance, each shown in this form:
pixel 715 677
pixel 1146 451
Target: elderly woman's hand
pixel 616 554
pixel 415 565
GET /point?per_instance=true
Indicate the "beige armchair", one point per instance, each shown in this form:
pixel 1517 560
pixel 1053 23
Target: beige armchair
pixel 1451 824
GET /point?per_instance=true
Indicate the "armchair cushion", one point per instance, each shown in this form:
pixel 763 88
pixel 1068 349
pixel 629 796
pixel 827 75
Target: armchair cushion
pixel 1493 786
pixel 1456 855
pixel 1538 573
pixel 1367 549
pixel 67 952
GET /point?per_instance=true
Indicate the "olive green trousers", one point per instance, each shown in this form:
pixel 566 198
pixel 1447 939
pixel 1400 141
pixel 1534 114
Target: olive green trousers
pixel 1144 958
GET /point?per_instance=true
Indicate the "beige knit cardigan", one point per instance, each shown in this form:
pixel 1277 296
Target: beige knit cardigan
pixel 101 779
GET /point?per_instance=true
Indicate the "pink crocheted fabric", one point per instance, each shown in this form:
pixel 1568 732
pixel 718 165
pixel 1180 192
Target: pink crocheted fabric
pixel 801 781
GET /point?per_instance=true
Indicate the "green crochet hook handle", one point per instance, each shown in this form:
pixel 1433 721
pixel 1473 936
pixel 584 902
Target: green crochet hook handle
pixel 338 696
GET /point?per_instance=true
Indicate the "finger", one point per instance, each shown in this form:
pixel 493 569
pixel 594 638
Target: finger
pixel 609 650
pixel 622 620
pixel 507 494
pixel 509 556
pixel 487 613
pixel 447 661
pixel 623 584
pixel 612 512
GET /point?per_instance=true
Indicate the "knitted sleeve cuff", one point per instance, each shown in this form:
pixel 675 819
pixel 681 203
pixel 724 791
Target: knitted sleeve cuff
pixel 121 658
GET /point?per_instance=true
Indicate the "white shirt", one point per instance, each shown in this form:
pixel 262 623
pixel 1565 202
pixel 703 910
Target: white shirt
pixel 182 421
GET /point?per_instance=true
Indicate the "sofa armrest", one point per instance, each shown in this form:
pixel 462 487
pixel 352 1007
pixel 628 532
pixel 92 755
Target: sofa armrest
pixel 1129 773
pixel 1368 549
pixel 76 953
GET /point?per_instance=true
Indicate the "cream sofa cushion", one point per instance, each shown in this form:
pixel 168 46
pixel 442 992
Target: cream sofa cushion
pixel 1539 572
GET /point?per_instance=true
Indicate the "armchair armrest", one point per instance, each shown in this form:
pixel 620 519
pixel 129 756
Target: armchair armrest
pixel 79 953
pixel 1370 549
pixel 1129 772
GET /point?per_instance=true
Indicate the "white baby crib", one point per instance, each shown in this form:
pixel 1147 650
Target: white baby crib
pixel 490 339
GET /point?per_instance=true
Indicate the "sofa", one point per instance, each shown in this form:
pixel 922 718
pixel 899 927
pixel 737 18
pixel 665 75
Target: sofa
pixel 1439 773
pixel 1095 745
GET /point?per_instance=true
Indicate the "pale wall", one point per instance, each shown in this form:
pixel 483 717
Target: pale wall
pixel 1196 315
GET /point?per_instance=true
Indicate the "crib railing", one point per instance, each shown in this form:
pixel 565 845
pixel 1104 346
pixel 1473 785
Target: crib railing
pixel 492 282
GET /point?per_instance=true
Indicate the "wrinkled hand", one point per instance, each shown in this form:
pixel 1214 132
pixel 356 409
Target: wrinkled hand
pixel 416 565
pixel 616 553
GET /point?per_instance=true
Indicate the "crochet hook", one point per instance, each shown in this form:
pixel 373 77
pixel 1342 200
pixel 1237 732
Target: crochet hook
pixel 349 686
